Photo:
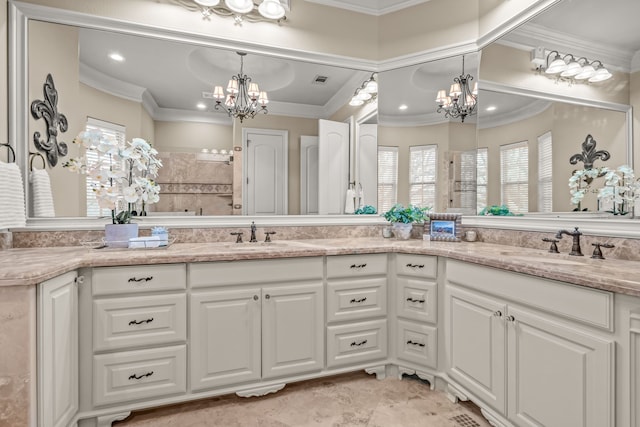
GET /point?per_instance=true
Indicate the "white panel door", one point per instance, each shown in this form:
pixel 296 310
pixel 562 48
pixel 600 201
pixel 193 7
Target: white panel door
pixel 225 338
pixel 265 171
pixel 292 329
pixel 476 344
pixel 309 175
pixel 558 375
pixel 333 170
pixel 367 163
pixel 57 351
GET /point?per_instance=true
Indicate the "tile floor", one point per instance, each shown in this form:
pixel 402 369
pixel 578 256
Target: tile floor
pixel 355 399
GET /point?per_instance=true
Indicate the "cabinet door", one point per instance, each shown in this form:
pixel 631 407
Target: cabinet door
pixel 558 375
pixel 476 346
pixel 58 351
pixel 225 338
pixel 292 330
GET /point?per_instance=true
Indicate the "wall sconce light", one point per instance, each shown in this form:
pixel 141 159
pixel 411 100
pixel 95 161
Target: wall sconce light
pixel 241 10
pixel 569 67
pixel 367 92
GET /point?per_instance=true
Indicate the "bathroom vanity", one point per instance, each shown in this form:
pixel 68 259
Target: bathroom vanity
pixel 532 338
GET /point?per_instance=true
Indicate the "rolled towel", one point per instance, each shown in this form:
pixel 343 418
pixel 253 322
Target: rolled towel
pixel 41 196
pixel 12 208
pixel 350 201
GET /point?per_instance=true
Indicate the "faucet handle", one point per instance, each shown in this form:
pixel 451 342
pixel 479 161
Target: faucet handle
pixel 239 236
pixel 597 252
pixel 268 234
pixel 553 248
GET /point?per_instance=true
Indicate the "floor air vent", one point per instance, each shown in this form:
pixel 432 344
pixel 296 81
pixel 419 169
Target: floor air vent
pixel 464 420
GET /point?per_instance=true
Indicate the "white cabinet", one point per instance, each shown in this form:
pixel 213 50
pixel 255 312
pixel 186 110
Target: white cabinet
pixel 243 334
pixel 533 367
pixel 58 351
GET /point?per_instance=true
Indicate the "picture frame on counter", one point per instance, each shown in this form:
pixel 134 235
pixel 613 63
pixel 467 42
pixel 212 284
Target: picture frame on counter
pixel 445 227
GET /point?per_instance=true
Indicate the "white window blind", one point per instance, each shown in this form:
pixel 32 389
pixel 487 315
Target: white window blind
pixel 387 177
pixel 545 173
pixel 423 172
pixel 468 180
pixel 514 176
pixel 94 157
pixel 482 174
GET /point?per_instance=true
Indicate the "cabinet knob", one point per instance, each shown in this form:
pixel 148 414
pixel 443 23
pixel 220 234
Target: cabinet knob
pixel 497 313
pixel 256 298
pixel 511 319
pixel 267 296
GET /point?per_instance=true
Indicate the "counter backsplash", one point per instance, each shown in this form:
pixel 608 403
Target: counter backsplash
pixel 626 249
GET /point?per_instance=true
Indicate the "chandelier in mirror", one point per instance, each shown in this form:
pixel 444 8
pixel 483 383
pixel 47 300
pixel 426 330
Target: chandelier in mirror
pixel 367 92
pixel 462 100
pixel 569 67
pixel 244 99
pixel 241 10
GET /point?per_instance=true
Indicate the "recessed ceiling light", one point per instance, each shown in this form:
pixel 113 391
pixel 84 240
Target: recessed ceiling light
pixel 403 107
pixel 201 105
pixel 116 57
pixel 491 108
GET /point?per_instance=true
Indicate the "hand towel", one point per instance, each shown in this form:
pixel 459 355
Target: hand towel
pixel 12 208
pixel 350 201
pixel 41 196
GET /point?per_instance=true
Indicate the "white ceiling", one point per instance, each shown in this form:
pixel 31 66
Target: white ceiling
pixel 171 77
pixel 371 7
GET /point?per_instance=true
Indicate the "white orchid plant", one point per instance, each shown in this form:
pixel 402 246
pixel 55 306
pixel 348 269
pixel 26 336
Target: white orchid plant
pixel 125 178
pixel 620 186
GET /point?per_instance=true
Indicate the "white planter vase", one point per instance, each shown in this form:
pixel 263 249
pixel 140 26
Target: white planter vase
pixel 401 230
pixel 118 235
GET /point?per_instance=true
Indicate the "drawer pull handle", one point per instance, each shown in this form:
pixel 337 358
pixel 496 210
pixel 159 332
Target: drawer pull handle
pixel 136 377
pixel 141 279
pixel 358 266
pixel 415 265
pixel 419 344
pixel 356 301
pixel 410 299
pixel 358 344
pixel 135 322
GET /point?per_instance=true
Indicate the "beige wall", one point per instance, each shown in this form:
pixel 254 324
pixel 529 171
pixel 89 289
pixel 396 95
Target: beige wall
pixel 192 136
pixel 510 66
pixel 569 126
pixel 634 100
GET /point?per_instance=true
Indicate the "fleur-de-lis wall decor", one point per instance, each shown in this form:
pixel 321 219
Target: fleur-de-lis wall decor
pixel 48 110
pixel 589 154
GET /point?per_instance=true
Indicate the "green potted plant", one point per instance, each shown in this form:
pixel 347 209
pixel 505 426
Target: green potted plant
pixel 402 219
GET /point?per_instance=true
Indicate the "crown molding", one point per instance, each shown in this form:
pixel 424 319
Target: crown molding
pixel 102 82
pixel 371 8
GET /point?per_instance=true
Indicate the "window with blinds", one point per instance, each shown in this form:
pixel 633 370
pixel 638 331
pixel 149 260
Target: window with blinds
pixel 467 186
pixel 514 176
pixel 387 177
pixel 95 157
pixel 482 175
pixel 423 172
pixel 545 173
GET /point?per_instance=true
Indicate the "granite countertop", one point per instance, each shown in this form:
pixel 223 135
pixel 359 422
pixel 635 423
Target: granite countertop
pixel 19 267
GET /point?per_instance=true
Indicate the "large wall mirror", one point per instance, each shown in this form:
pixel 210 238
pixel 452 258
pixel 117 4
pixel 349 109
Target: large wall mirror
pixel 550 117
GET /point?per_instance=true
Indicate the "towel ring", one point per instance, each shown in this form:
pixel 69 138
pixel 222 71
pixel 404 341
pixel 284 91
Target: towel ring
pixel 32 157
pixel 13 153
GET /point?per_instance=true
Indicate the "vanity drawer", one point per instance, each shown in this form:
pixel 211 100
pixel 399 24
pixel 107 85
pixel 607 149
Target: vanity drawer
pixel 356 265
pixel 356 343
pixel 417 265
pixel 254 271
pixel 417 299
pixel 417 343
pixel 138 278
pixel 139 321
pixel 139 375
pixel 356 299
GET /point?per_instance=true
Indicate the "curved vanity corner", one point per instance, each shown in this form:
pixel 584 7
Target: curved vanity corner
pixel 382 305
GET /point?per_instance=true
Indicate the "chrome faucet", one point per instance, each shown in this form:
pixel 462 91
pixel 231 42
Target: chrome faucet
pixel 575 248
pixel 253 232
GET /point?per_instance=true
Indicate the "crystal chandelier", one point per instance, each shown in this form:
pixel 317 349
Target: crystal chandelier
pixel 367 92
pixel 462 100
pixel 241 10
pixel 244 98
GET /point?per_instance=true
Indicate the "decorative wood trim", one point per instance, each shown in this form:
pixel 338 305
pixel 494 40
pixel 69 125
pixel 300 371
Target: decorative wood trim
pixel 380 371
pixel 260 391
pixel 106 420
pixel 420 374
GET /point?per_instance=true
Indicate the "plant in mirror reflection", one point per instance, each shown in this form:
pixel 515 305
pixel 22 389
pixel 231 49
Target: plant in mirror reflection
pixel 620 187
pixel 122 172
pixel 408 215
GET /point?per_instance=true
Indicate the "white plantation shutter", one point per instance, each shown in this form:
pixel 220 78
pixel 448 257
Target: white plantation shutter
pixel 514 176
pixel 468 180
pixel 423 172
pixel 93 157
pixel 482 174
pixel 545 173
pixel 387 177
